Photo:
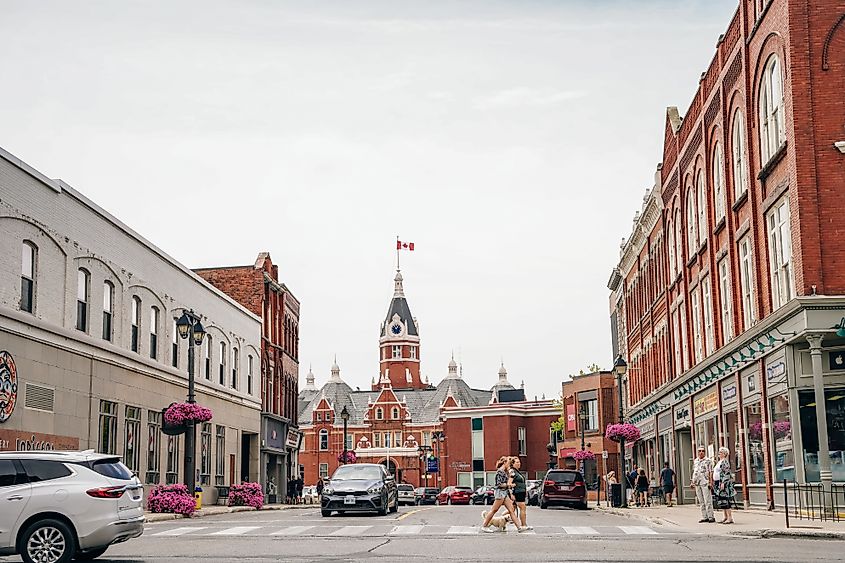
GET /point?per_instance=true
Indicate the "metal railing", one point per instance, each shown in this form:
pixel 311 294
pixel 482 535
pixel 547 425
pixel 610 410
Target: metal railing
pixel 809 501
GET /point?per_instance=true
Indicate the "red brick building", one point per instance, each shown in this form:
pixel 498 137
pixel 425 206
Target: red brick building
pixel 258 288
pixel 727 288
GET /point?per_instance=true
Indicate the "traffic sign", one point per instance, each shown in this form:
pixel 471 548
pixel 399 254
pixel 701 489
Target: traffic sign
pixel 433 465
pixel 604 454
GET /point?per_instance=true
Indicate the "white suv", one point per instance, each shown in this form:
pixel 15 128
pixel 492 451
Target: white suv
pixel 58 506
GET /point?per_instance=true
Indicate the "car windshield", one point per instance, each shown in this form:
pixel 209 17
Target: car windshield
pixel 562 477
pixel 112 467
pixel 432 491
pixel 352 471
pixel 463 489
pixel 405 487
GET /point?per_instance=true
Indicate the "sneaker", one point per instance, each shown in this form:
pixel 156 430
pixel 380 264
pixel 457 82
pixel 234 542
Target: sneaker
pixel 520 530
pixel 488 529
pixel 703 521
pixel 528 527
pixel 711 520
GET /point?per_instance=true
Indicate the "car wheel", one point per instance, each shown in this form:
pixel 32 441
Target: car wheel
pixel 325 512
pixel 395 506
pixel 488 501
pixel 90 554
pixel 582 505
pixel 544 505
pixel 382 511
pixel 47 541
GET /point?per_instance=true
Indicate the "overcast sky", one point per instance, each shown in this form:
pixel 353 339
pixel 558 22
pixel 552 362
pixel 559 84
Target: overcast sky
pixel 512 142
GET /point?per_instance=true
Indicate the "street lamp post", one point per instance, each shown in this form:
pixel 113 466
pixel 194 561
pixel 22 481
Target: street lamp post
pixel 189 326
pixel 424 450
pixel 439 436
pixel 344 416
pixel 582 415
pixel 620 366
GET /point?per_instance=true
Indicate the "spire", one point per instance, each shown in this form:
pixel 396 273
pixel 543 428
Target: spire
pixel 335 372
pixel 398 290
pixel 503 382
pixel 453 368
pixel 309 380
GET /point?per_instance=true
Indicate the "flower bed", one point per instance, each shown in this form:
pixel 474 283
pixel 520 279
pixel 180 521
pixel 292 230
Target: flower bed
pixel 616 432
pixel 171 498
pixel 246 494
pixel 350 457
pixel 582 455
pixel 179 414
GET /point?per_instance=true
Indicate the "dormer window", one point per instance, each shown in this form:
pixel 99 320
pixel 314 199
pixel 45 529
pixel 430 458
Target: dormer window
pixel 379 414
pixel 319 416
pixel 394 413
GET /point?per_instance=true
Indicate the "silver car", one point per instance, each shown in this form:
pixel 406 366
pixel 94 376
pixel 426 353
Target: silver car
pixel 59 506
pixel 406 494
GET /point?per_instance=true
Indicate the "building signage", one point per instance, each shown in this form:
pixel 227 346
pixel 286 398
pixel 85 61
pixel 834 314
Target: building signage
pixel 705 404
pixel 570 417
pixel 12 440
pixel 837 360
pixel 8 385
pixel 682 414
pixel 729 392
pixel 752 382
pixel 433 465
pixel 775 371
pixel 292 441
pixel 459 465
pixel 274 434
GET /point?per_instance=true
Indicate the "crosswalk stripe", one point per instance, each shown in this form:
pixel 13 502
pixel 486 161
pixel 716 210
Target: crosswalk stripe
pixel 406 530
pixel 292 531
pixel 179 531
pixel 462 530
pixel 580 530
pixel 236 531
pixel 350 531
pixel 637 530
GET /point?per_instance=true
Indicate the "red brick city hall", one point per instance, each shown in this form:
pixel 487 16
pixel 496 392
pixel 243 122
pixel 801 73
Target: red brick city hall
pixel 728 300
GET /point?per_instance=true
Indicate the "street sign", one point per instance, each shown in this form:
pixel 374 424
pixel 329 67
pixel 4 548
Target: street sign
pixel 604 454
pixel 433 466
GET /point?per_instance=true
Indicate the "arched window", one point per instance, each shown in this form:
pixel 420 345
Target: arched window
pixel 701 190
pixel 679 248
pixel 83 290
pixel 738 159
pixel 222 373
pixel 324 440
pixel 108 309
pixel 718 183
pixel 29 255
pixel 174 346
pixel 154 332
pixel 379 414
pixel 692 230
pixel 771 110
pixel 671 249
pixel 394 413
pixel 136 322
pixel 235 365
pixel 208 348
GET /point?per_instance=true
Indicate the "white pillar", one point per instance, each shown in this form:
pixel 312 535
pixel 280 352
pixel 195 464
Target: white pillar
pixel 815 341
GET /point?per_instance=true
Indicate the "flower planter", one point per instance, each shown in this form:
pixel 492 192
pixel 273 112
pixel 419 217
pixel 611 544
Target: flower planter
pixel 246 494
pixel 582 455
pixel 183 414
pixel 350 457
pixel 617 432
pixel 172 499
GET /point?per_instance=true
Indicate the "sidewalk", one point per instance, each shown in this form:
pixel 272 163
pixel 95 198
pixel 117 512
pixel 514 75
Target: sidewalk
pixel 748 522
pixel 211 510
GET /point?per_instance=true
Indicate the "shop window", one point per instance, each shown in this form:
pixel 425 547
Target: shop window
pixel 782 439
pixel 172 473
pixel 205 454
pixel 835 409
pixel 756 459
pixel 108 427
pixel 220 455
pixel 705 435
pixel 153 447
pixel 131 439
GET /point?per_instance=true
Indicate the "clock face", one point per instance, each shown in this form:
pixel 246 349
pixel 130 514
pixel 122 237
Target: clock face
pixel 396 328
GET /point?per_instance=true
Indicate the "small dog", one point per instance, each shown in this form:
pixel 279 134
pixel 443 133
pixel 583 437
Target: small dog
pixel 500 522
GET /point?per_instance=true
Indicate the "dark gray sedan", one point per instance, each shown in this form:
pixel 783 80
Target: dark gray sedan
pixel 360 487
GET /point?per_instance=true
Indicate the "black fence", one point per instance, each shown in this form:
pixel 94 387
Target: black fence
pixel 810 501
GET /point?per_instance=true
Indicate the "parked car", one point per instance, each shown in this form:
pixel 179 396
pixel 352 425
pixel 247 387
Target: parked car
pixel 426 495
pixel 406 493
pixel 564 486
pixel 483 495
pixel 454 495
pixel 360 487
pixel 533 488
pixel 59 506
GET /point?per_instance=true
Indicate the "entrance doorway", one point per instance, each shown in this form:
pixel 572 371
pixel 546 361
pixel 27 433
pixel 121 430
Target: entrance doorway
pixel 683 466
pixel 391 466
pixel 246 446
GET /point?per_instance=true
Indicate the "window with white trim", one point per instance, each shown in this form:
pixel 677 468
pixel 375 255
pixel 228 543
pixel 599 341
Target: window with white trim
pixel 739 160
pixel 208 345
pixel 684 338
pixel 379 414
pixel 249 376
pixel 221 376
pixel 676 338
pixel 780 253
pixel 394 413
pixel 236 360
pixel 725 300
pixel 219 455
pixel 397 351
pixel 692 229
pixel 413 352
pixel 772 134
pixel 707 316
pixel 324 440
pixel 718 183
pixel 29 253
pixel 746 281
pixel 83 290
pixel 520 440
pixel 671 249
pixel 698 343
pixel 376 439
pixel 136 323
pixel 154 332
pixel 108 309
pixel 701 190
pixel 679 244
pixel 324 470
pixel 174 346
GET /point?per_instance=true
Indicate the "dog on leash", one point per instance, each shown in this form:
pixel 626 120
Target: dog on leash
pixel 500 522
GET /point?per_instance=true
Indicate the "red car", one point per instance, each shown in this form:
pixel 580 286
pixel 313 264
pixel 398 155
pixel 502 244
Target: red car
pixel 564 486
pixel 454 495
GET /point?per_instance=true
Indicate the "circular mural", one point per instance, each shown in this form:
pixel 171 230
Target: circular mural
pixel 8 385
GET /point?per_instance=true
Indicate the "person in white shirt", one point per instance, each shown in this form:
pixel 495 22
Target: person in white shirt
pixel 702 484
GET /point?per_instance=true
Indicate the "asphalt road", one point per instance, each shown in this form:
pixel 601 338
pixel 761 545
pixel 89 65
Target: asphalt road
pixel 446 533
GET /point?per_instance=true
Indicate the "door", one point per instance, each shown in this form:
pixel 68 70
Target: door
pixel 14 496
pixel 232 472
pixel 683 467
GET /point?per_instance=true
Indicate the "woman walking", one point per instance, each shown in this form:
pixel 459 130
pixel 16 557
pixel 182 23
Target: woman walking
pixel 501 496
pixel 519 491
pixel 723 485
pixel 642 488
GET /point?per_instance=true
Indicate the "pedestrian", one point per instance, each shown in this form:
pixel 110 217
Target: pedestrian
pixel 632 483
pixel 667 482
pixel 320 487
pixel 501 496
pixel 291 491
pixel 642 488
pixel 702 483
pixel 723 485
pixel 519 492
pixel 609 479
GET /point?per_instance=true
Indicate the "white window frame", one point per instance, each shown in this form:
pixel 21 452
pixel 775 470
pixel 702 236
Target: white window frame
pixel 249 374
pixel 521 441
pixel 379 413
pixel 376 439
pixel 771 110
pixel 397 352
pixel 155 316
pixel 719 203
pixel 323 440
pixel 235 365
pixel 671 249
pixel 413 352
pixel 394 413
pixel 324 470
pixel 707 310
pixel 739 160
pixel 780 253
pixel 83 297
pixel 701 192
pixel 684 337
pixel 692 228
pixel 746 279
pixel 726 299
pixel 29 269
pixel 676 337
pixel 698 339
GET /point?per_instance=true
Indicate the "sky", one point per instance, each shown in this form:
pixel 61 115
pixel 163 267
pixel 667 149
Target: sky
pixel 511 141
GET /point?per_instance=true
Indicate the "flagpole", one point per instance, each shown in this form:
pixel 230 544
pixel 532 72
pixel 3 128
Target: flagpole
pixel 397 253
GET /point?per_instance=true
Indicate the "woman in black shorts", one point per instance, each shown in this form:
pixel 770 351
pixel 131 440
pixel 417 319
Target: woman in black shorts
pixel 642 488
pixel 519 491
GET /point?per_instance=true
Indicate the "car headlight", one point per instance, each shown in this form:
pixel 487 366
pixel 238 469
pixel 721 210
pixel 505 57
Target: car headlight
pixel 328 491
pixel 375 489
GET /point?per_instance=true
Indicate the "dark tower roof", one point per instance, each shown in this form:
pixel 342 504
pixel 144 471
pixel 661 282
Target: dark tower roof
pixel 399 306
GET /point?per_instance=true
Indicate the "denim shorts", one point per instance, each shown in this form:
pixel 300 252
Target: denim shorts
pixel 500 494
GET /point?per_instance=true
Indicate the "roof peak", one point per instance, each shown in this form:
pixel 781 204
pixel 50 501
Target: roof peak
pixel 398 289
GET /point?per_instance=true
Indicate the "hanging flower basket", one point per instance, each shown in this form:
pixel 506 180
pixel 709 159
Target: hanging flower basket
pixel 583 455
pixel 182 414
pixel 171 498
pixel 246 494
pixel 781 429
pixel 350 457
pixel 617 432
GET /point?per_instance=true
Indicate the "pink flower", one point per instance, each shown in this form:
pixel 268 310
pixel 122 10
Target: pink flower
pixel 350 457
pixel 178 414
pixel 582 455
pixel 616 432
pixel 171 498
pixel 246 494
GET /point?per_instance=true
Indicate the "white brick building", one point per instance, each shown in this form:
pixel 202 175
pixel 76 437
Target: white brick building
pixel 87 312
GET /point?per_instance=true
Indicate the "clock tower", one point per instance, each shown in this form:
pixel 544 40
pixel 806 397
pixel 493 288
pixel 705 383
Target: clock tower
pixel 399 344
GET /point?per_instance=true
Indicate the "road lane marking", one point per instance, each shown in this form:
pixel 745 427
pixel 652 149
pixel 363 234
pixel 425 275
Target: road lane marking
pixel 179 531
pixel 580 530
pixel 292 531
pixel 637 530
pixel 236 531
pixel 405 530
pixel 462 530
pixel 414 512
pixel 350 531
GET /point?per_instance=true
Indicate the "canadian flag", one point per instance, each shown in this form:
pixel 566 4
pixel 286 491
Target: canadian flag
pixel 404 245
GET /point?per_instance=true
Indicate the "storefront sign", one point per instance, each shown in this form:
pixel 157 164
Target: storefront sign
pixel 570 417
pixel 292 441
pixel 275 432
pixel 752 382
pixel 460 465
pixel 837 361
pixel 729 392
pixel 775 371
pixel 12 440
pixel 705 404
pixel 664 422
pixel 8 385
pixel 647 429
pixel 682 414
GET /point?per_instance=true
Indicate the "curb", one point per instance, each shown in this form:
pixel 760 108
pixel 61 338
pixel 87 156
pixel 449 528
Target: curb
pixel 214 510
pixel 642 517
pixel 792 533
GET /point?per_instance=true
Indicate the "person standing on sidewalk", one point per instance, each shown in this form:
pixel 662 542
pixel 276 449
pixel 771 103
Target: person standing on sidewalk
pixel 724 485
pixel 667 482
pixel 702 483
